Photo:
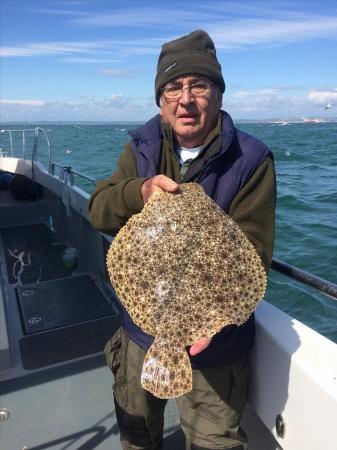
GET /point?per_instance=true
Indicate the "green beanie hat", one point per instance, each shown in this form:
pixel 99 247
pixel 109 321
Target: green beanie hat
pixel 193 54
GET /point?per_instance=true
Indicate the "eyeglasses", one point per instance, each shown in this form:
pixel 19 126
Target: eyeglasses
pixel 197 89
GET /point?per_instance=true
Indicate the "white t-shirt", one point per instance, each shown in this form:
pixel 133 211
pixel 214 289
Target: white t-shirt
pixel 188 153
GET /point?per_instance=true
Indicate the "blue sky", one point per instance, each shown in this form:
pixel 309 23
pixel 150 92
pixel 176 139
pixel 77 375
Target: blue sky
pixel 96 59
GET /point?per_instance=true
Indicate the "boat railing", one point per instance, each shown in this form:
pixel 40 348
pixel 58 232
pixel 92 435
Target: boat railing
pixel 37 132
pixel 325 287
pixel 71 172
pixel 12 150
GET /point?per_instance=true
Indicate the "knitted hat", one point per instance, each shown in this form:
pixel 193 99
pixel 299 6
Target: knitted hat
pixel 193 54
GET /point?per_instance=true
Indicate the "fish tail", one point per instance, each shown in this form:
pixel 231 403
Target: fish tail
pixel 167 371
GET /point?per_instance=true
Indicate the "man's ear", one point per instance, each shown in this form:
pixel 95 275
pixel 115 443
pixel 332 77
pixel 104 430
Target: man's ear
pixel 160 106
pixel 220 98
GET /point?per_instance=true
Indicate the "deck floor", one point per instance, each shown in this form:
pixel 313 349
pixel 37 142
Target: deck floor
pixel 63 314
pixel 33 254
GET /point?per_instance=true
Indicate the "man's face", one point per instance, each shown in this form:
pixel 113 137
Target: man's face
pixel 192 117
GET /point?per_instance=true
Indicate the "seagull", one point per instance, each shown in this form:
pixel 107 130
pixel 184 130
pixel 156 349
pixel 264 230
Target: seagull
pixel 327 106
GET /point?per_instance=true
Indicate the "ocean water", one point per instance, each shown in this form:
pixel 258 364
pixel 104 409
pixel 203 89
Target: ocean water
pixel 306 214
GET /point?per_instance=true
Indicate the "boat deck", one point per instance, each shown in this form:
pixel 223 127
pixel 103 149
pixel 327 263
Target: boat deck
pixel 63 314
pixel 55 321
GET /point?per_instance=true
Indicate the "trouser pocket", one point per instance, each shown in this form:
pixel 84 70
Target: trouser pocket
pixel 139 414
pixel 112 352
pixel 136 432
pixel 239 392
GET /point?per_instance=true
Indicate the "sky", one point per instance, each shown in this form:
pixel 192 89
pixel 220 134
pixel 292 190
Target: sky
pixel 95 60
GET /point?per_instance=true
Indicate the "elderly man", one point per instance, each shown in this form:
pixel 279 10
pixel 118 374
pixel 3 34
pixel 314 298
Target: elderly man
pixel 191 140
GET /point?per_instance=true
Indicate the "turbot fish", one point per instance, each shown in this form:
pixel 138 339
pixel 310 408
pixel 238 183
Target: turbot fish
pixel 183 269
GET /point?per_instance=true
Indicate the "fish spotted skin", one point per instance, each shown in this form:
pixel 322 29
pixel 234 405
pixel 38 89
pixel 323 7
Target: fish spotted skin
pixel 183 269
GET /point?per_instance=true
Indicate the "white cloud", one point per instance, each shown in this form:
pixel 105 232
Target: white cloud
pixel 248 32
pixel 266 102
pixel 115 73
pixel 241 93
pixel 53 48
pixel 323 97
pixel 116 97
pixel 114 107
pixel 76 60
pixel 18 51
pixel 22 102
pixel 101 51
pixel 278 101
pixel 58 12
pixel 148 16
pixel 232 26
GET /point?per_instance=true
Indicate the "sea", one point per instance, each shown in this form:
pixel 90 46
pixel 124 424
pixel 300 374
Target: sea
pixel 306 214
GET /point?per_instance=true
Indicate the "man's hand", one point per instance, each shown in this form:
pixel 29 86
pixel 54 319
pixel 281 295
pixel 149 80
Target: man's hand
pixel 199 346
pixel 158 183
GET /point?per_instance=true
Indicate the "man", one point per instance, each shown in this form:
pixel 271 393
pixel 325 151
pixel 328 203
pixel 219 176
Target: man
pixel 191 140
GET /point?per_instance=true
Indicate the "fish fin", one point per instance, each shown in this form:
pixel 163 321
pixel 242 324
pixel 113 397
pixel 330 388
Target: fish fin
pixel 167 371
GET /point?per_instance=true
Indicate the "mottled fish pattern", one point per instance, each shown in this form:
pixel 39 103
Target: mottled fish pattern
pixel 183 269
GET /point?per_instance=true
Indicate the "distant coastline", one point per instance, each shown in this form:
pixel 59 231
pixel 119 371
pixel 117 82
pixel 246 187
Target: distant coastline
pixel 276 120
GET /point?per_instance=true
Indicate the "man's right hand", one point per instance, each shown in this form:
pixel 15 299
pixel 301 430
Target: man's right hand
pixel 158 183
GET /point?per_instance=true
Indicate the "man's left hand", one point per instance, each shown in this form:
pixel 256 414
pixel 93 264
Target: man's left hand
pixel 199 346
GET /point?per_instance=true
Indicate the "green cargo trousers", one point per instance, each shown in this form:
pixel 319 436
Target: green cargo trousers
pixel 209 414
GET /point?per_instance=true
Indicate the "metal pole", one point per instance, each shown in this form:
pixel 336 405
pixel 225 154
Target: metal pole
pixel 11 141
pixel 23 144
pixel 50 156
pixel 325 287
